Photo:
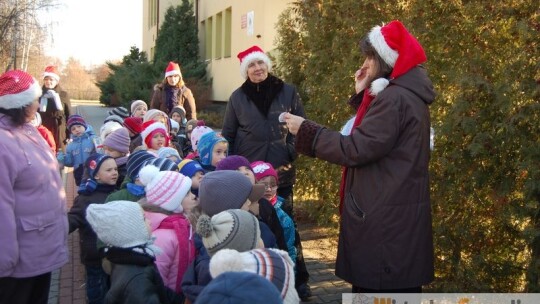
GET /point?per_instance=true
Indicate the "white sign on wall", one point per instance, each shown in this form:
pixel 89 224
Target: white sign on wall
pixel 250 20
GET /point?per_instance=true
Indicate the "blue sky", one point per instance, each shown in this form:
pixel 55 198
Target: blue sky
pixel 94 31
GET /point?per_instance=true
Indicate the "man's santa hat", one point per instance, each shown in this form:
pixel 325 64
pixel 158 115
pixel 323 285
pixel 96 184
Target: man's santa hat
pixel 173 69
pixel 18 89
pixel 50 71
pixel 398 48
pixel 248 56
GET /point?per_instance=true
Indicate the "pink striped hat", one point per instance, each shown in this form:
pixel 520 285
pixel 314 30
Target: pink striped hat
pixel 165 189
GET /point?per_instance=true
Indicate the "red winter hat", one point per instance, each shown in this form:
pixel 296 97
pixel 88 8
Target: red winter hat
pixel 150 128
pixel 173 69
pixel 133 124
pixel 262 170
pixel 251 54
pixel 18 89
pixel 397 47
pixel 51 72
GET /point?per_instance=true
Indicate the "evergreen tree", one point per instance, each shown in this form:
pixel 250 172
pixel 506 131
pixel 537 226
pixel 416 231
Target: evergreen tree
pixel 132 79
pixel 178 41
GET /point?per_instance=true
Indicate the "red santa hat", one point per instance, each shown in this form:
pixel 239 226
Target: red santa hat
pixel 150 128
pixel 18 89
pixel 398 48
pixel 251 54
pixel 51 71
pixel 173 69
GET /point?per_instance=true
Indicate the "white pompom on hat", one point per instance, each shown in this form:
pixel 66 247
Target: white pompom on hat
pixel 165 189
pixel 251 54
pixel 18 89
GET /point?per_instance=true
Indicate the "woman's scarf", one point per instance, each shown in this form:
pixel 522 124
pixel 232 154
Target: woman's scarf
pixel 43 101
pixel 171 97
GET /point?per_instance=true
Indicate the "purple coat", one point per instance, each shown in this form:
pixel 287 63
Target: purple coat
pixel 33 221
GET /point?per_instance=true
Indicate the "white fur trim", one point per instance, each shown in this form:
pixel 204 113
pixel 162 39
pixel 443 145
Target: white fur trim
pixel 226 260
pixel 21 99
pixel 378 85
pixel 151 128
pixel 173 72
pixel 251 57
pixel 376 39
pixel 53 75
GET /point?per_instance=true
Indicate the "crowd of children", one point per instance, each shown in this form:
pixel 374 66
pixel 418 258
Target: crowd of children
pixel 165 215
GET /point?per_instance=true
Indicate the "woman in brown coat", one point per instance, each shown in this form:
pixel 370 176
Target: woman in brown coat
pixel 172 92
pixel 385 242
pixel 55 107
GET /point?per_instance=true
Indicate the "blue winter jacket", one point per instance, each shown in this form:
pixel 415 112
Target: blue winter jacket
pixel 79 149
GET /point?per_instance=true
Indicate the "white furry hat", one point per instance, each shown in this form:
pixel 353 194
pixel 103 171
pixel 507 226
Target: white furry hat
pixel 18 89
pixel 165 189
pixel 107 128
pixel 273 264
pixel 119 223
pixel 248 56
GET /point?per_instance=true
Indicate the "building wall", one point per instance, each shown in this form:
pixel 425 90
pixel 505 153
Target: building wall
pixel 223 33
pixel 153 14
pixel 223 65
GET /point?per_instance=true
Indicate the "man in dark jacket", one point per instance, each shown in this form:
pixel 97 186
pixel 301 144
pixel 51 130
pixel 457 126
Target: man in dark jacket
pixel 386 241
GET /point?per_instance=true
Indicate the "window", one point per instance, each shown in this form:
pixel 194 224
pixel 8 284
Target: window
pixel 219 35
pixel 227 35
pixel 208 38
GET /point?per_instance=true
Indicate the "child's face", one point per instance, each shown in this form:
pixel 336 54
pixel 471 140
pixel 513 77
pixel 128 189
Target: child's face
pixel 139 111
pixel 252 207
pixel 196 180
pixel 158 141
pixel 107 173
pixel 247 172
pixel 174 131
pixel 189 202
pixel 112 153
pixel 270 186
pixel 77 130
pixel 176 117
pixel 219 152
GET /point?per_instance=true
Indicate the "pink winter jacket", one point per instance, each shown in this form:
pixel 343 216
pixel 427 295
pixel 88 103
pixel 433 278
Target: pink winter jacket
pixel 33 220
pixel 178 248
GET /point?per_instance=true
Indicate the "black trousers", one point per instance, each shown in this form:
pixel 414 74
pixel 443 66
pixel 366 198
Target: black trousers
pixel 33 290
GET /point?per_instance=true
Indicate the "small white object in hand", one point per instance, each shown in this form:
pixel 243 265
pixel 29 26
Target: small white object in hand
pixel 282 117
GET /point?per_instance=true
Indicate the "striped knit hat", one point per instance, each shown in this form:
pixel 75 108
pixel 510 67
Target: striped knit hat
pixel 133 124
pixel 135 162
pixel 74 120
pixel 163 164
pixel 119 111
pixel 165 189
pixel 272 264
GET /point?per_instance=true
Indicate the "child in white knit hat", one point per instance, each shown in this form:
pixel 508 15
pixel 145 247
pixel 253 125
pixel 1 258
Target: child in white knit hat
pixel 168 204
pixel 134 278
pixel 234 229
pixel 273 264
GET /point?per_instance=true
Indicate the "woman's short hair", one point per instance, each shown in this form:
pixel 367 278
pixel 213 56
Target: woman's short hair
pixel 383 69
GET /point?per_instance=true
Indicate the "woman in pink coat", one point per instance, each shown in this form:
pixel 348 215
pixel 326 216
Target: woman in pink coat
pixel 33 221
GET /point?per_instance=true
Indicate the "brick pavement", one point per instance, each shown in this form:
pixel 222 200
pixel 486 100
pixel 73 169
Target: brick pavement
pixel 68 283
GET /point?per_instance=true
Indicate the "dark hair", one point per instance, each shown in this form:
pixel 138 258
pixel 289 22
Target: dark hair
pixel 18 116
pixel 383 69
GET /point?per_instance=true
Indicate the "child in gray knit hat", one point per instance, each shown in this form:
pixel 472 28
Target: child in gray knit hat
pixel 234 229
